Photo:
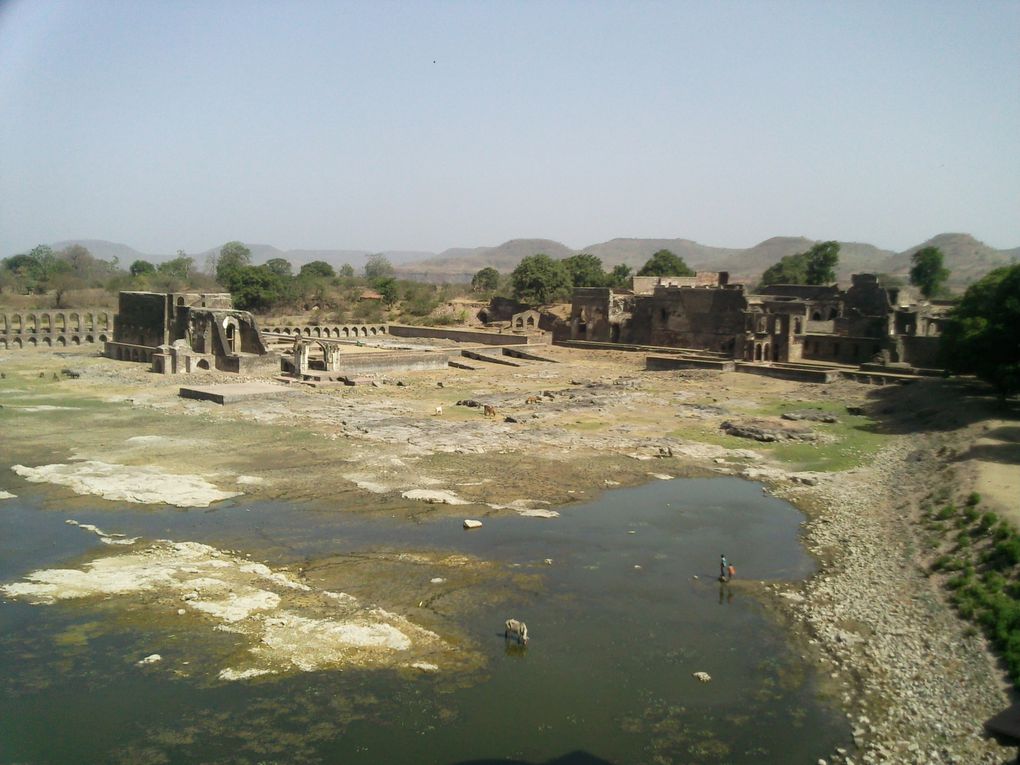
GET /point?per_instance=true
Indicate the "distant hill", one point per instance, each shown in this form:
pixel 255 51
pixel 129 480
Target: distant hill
pixel 104 250
pixel 967 258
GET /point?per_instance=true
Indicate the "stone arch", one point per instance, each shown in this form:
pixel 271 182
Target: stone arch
pixel 203 364
pixel 16 343
pixel 104 319
pixel 765 352
pixel 33 342
pixel 373 331
pixel 74 321
pixel 75 340
pixel 32 320
pixel 308 332
pixel 180 301
pixel 45 322
pixel 16 323
pixel 90 320
pixel 61 341
pixel 3 322
pixel 317 332
pixel 88 339
pixel 757 351
pixel 520 323
pixel 364 331
pixel 816 315
pixel 833 313
pixel 347 331
pixel 336 331
pixel 60 322
pixel 531 321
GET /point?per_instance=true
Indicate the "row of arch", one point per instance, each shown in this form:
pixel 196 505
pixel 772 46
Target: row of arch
pixel 354 330
pixel 49 341
pixel 53 321
pixel 127 353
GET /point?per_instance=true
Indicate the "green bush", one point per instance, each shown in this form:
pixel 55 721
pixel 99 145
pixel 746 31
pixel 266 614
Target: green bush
pixel 987 521
pixel 973 499
pixel 946 512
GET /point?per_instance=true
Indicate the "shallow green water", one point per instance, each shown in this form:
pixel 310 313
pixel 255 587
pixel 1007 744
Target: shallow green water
pixel 607 672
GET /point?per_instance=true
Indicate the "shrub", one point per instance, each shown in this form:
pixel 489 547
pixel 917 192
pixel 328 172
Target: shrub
pixel 973 499
pixel 946 512
pixel 987 521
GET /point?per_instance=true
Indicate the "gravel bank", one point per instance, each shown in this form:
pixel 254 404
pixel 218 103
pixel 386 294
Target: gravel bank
pixel 915 685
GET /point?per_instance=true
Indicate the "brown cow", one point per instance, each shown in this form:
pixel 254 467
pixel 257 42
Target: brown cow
pixel 490 411
pixel 533 400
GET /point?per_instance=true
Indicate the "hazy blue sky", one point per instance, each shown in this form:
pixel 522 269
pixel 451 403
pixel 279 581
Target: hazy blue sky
pixel 375 125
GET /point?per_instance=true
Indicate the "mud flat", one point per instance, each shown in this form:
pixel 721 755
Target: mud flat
pixel 286 625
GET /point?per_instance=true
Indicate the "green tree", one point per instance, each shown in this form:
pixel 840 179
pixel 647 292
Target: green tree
pixel 141 268
pixel 791 269
pixel 318 269
pixel 540 279
pixel 665 263
pixel 983 335
pixel 620 276
pixel 233 257
pixel 816 266
pixel 927 272
pixel 486 280
pixel 346 271
pixel 178 268
pixel 585 270
pixel 821 263
pixel 378 266
pixel 279 266
pixel 387 287
pixel 256 288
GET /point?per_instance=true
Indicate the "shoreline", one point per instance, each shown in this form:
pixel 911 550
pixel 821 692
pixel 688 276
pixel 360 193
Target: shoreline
pixel 915 681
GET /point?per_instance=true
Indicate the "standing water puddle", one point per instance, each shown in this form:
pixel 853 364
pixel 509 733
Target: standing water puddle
pixel 627 610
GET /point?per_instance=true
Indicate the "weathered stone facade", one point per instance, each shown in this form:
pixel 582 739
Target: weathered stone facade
pixel 782 323
pixel 186 332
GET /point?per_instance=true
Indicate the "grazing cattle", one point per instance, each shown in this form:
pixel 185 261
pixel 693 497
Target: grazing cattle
pixel 439 409
pixel 533 400
pixel 516 630
pixel 490 411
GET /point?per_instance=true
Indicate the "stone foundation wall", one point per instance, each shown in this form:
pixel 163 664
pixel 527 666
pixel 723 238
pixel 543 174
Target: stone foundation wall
pixel 460 335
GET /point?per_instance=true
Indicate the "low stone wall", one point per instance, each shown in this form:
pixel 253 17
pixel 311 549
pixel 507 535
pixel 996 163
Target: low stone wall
pixel 459 335
pixel 659 363
pixel 381 363
pixel 798 374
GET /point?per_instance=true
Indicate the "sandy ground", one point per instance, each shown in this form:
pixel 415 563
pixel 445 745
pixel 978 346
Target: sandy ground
pixel 915 684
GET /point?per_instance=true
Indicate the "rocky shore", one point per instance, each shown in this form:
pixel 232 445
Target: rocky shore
pixel 915 682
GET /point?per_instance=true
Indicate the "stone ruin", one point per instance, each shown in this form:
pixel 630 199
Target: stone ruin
pixel 183 332
pixel 864 324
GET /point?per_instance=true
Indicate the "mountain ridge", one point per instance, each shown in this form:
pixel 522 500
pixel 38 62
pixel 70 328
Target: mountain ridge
pixel 967 258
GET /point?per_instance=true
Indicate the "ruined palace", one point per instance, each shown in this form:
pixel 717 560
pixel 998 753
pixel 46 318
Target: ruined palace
pixel 865 323
pixel 187 331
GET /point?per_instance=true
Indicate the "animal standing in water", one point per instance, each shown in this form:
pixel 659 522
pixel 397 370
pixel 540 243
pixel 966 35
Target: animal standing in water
pixel 516 630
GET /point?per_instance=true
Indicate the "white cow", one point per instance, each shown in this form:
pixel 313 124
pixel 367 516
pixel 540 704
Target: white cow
pixel 439 410
pixel 517 630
